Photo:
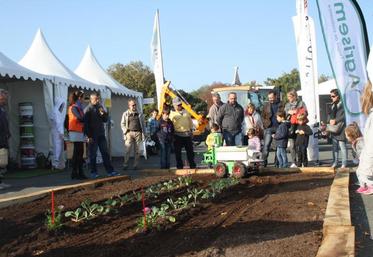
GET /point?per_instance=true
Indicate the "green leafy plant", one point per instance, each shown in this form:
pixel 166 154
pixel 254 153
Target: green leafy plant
pixel 167 186
pixel 182 202
pixel 78 215
pixel 152 191
pixel 151 220
pixel 124 199
pixel 162 212
pixel 92 209
pixel 109 205
pixel 174 205
pixel 208 194
pixel 187 180
pixel 57 224
pixel 195 193
pixel 137 196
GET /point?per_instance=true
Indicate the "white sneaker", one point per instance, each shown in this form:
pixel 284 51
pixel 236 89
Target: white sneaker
pixel 293 166
pixel 343 166
pixel 3 186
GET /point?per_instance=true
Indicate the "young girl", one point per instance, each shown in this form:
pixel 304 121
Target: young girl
pixel 354 136
pixel 253 139
pixel 303 132
pixel 215 138
pixel 365 170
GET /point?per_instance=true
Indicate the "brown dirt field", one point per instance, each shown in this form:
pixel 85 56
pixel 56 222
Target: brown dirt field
pixel 277 215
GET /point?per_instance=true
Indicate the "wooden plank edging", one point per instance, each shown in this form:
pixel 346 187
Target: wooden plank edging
pixel 338 233
pixel 41 193
pixel 180 172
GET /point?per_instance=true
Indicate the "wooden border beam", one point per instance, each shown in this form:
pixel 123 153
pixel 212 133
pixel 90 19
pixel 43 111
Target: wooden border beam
pixel 41 193
pixel 338 233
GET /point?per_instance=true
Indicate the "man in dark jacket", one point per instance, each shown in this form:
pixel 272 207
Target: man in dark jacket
pixel 4 132
pixel 337 117
pixel 270 123
pixel 230 118
pixel 94 118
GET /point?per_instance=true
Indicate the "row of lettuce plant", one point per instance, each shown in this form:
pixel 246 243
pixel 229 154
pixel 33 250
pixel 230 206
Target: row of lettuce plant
pixel 154 216
pixel 89 210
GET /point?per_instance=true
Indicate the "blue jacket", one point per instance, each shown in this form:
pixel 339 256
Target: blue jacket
pixel 281 135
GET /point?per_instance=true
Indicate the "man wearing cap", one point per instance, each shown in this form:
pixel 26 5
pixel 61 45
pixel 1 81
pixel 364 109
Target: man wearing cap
pixel 183 133
pixel 213 112
pixel 230 118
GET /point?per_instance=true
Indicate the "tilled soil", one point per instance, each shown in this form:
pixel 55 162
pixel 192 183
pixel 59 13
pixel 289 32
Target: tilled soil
pixel 277 215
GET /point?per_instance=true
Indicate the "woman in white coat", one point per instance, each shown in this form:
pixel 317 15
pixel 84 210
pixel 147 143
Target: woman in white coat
pixel 57 121
pixel 365 170
pixel 252 120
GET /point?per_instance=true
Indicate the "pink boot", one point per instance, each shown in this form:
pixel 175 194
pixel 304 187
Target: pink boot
pixel 361 189
pixel 368 191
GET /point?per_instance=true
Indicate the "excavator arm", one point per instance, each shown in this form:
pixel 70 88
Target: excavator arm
pixel 202 121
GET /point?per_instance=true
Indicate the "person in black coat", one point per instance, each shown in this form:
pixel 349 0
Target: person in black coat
pixel 94 118
pixel 337 116
pixel 4 131
pixel 281 137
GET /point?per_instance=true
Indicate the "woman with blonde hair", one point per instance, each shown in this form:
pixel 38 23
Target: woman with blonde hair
pixel 252 120
pixel 293 108
pixel 365 170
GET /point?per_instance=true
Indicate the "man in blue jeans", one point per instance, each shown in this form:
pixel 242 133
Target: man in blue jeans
pixel 94 118
pixel 270 122
pixel 230 117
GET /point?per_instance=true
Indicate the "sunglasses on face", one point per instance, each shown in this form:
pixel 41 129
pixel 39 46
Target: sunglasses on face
pixel 133 105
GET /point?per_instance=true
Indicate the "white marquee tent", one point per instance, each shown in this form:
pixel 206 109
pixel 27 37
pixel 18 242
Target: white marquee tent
pixel 40 58
pixel 24 85
pixel 90 69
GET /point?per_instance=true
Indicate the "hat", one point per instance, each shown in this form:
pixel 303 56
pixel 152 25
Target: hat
pixel 176 101
pixel 215 94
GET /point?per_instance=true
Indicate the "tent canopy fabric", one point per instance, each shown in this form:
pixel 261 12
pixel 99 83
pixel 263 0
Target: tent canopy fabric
pixel 14 70
pixel 90 69
pixel 40 58
pixel 324 87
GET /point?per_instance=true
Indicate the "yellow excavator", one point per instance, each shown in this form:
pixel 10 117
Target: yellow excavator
pixel 200 121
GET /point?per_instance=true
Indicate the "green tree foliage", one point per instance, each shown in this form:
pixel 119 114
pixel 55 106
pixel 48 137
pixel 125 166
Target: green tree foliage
pixel 198 105
pixel 136 76
pixel 323 78
pixel 285 82
pixel 204 92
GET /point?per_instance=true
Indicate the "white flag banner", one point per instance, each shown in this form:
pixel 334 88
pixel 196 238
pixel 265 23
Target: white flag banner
pixel 346 41
pixel 156 55
pixel 236 78
pixel 370 65
pixel 306 48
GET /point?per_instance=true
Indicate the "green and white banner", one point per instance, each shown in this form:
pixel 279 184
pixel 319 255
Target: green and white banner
pixel 347 45
pixel 307 58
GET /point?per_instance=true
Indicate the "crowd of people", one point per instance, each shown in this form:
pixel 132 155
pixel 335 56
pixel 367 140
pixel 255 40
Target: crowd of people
pixel 230 125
